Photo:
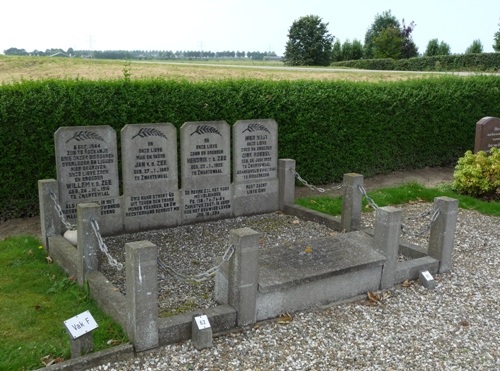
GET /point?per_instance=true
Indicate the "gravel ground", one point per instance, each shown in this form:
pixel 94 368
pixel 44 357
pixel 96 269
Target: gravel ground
pixel 455 326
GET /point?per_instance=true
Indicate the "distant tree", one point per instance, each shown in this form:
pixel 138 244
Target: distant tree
pixel 309 43
pixel 432 48
pixel 337 51
pixel 444 48
pixel 409 48
pixel 15 51
pixel 496 45
pixel 475 48
pixel 70 52
pixel 388 24
pixel 357 49
pixel 381 22
pixel 388 43
pixel 347 51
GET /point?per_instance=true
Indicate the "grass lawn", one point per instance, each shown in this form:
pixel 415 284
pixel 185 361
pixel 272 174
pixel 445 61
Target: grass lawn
pixel 36 297
pixel 410 192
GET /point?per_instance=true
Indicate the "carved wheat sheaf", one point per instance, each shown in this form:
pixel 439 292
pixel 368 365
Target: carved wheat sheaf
pixel 206 129
pixel 149 132
pixel 256 127
pixel 84 134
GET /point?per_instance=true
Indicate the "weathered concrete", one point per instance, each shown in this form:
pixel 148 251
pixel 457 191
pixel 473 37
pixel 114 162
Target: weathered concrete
pixel 442 234
pixel 409 270
pixel 178 328
pixel 244 274
pixel 300 212
pixel 351 202
pixel 88 245
pixel 386 241
pixel 64 253
pixel 325 270
pixel 201 337
pixel 50 222
pixel 427 280
pixel 142 294
pixel 115 354
pixel 286 182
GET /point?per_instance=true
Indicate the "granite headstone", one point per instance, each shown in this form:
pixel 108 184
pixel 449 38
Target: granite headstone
pixel 255 167
pixel 87 171
pixel 487 134
pixel 205 171
pixel 150 180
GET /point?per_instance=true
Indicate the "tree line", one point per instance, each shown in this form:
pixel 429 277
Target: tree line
pixel 310 43
pixel 143 54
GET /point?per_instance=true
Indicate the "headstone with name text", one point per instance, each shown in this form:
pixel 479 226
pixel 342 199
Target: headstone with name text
pixel 150 180
pixel 487 134
pixel 205 171
pixel 87 171
pixel 255 167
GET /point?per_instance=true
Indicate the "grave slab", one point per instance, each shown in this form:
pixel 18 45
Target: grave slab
pixel 205 171
pixel 150 182
pixel 87 171
pixel 487 134
pixel 255 166
pixel 316 259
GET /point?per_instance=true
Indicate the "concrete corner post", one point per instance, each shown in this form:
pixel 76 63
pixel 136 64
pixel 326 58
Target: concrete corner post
pixel 244 274
pixel 87 245
pixel 351 202
pixel 142 294
pixel 50 221
pixel 286 182
pixel 386 241
pixel 442 233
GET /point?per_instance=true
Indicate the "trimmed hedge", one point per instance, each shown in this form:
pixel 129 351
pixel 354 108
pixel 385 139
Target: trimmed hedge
pixel 459 62
pixel 329 128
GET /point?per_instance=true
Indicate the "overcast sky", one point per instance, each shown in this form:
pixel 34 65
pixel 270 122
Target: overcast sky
pixel 239 25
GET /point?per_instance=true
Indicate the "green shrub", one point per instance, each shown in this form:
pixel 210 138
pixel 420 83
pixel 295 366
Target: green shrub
pixel 328 127
pixel 460 62
pixel 478 174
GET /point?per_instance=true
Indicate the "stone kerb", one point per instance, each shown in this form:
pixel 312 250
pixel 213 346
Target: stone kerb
pixel 205 171
pixel 255 167
pixel 150 180
pixel 487 134
pixel 87 171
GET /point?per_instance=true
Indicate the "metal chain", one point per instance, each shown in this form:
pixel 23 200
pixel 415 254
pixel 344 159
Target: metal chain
pixel 68 225
pixel 368 198
pixel 102 246
pixel 425 228
pixel 200 277
pixel 313 187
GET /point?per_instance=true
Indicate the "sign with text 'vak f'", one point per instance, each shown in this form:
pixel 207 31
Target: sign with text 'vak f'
pixel 80 324
pixel 150 181
pixel 206 171
pixel 255 167
pixel 87 171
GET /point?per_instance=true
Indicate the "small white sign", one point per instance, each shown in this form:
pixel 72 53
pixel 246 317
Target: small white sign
pixel 81 324
pixel 202 322
pixel 427 276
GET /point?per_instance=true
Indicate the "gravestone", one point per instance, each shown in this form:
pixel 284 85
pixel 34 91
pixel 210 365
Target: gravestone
pixel 150 181
pixel 487 134
pixel 255 167
pixel 87 171
pixel 205 171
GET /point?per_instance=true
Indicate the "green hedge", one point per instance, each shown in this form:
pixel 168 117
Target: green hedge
pixel 459 62
pixel 329 128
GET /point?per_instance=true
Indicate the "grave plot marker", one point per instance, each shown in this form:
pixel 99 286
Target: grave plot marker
pixel 487 134
pixel 87 171
pixel 255 167
pixel 150 180
pixel 205 170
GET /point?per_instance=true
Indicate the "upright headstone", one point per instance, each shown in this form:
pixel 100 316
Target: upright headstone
pixel 255 167
pixel 87 171
pixel 487 134
pixel 206 173
pixel 150 181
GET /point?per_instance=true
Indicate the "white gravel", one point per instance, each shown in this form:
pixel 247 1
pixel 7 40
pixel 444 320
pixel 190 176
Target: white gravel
pixel 453 327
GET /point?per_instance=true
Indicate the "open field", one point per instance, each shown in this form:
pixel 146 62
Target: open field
pixel 14 69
